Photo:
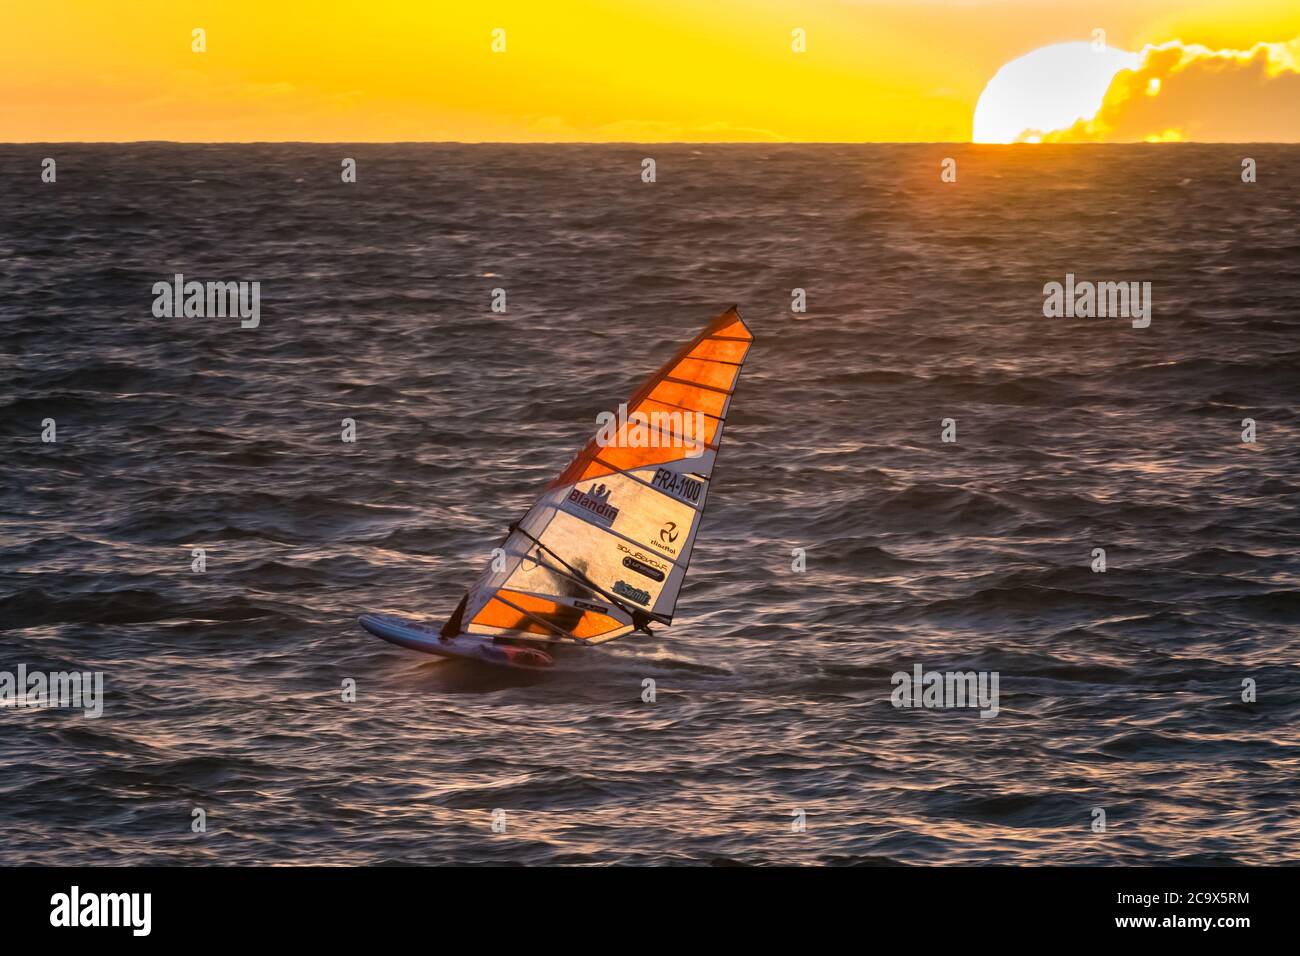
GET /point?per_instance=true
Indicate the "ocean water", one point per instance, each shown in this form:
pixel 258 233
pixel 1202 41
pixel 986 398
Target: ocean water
pixel 1119 691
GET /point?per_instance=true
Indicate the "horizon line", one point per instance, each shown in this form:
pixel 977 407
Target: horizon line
pixel 666 142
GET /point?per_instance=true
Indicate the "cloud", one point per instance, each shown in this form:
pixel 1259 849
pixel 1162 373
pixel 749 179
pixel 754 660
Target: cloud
pixel 1190 92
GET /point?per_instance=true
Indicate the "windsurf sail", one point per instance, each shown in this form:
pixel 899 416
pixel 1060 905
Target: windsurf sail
pixel 605 549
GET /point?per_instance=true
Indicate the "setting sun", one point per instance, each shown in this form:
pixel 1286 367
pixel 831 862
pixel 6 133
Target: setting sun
pixel 1049 89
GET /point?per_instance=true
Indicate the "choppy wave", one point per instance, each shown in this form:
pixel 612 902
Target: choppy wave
pixel 1119 691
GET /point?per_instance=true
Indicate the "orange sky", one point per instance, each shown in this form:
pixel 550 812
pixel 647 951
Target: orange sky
pixel 582 70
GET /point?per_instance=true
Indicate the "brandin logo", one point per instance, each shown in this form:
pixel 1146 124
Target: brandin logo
pixel 631 593
pixel 103 909
pixel 594 504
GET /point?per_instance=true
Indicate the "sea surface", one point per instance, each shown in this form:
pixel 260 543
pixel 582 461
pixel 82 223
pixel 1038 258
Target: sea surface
pixel 1120 691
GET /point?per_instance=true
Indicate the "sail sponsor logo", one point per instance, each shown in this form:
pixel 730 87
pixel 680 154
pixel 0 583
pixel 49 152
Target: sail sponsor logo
pixel 643 569
pixel 679 486
pixel 599 609
pixel 668 536
pixel 592 504
pixel 676 429
pixel 631 593
pixel 643 557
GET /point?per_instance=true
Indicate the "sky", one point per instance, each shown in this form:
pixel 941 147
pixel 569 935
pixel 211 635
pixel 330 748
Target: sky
pixel 624 70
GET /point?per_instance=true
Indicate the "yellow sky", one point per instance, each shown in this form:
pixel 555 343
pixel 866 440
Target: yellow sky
pixel 573 70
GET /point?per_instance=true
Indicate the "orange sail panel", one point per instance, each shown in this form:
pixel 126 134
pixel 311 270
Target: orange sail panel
pixel 605 549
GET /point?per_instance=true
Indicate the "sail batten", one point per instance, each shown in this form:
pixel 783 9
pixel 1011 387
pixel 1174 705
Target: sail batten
pixel 606 547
